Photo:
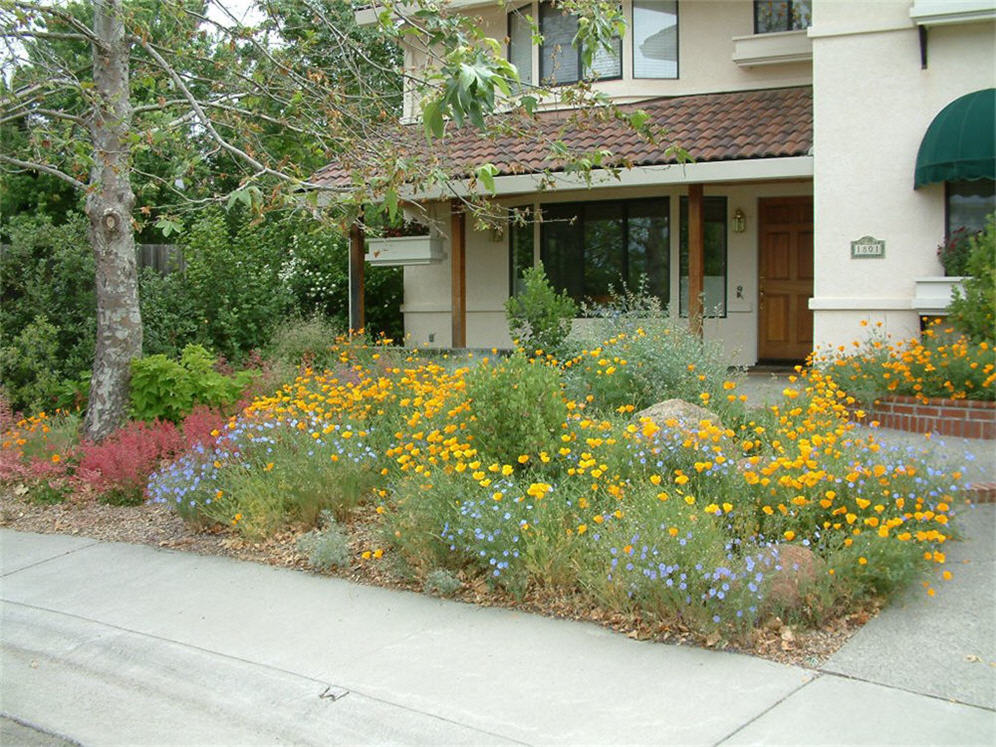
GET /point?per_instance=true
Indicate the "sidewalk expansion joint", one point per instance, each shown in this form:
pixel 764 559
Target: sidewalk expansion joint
pixel 329 691
pixel 767 710
pixel 49 560
pixel 941 698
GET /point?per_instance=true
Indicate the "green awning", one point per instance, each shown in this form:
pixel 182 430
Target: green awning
pixel 960 144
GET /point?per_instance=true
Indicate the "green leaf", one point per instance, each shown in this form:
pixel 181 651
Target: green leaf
pixel 638 119
pixel 432 117
pixel 486 175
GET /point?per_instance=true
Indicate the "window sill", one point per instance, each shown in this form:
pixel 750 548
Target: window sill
pixel 772 49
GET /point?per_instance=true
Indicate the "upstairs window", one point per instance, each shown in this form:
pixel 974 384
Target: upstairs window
pixel 655 38
pixel 520 43
pixel 560 60
pixel 782 15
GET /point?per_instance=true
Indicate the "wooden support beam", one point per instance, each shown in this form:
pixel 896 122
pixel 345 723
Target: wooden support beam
pixel 458 274
pixel 696 257
pixel 357 316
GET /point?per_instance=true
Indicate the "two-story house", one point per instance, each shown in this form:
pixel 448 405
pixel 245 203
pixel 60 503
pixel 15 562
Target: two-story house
pixel 834 145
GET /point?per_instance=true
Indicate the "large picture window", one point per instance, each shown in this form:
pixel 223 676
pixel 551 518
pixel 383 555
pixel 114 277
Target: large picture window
pixel 655 38
pixel 782 15
pixel 714 282
pixel 969 204
pixel 589 247
pixel 560 60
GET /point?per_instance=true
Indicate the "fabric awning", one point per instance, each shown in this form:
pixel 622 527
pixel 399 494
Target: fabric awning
pixel 960 144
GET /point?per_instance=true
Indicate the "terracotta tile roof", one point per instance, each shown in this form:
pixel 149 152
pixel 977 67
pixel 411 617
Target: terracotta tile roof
pixel 768 123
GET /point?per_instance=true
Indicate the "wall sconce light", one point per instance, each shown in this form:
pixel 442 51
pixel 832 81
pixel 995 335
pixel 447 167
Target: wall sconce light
pixel 739 221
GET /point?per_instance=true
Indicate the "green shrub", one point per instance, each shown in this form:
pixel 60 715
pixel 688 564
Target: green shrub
pixel 165 389
pixel 47 286
pixel 517 407
pixel 326 547
pixel 317 275
pixel 442 582
pixel 28 366
pixel 233 276
pixel 539 317
pixel 635 355
pixel 973 310
pixel 169 313
pixel 304 341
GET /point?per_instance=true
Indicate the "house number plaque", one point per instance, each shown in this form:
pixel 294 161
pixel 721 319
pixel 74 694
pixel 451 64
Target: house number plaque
pixel 868 248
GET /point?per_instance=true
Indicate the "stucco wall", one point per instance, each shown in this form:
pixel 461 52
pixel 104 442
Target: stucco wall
pixel 427 288
pixel 706 29
pixel 872 106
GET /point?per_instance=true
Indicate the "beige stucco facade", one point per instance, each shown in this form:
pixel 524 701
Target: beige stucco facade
pixel 872 106
pixel 872 103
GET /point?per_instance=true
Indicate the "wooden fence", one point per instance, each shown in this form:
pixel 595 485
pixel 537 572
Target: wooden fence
pixel 163 258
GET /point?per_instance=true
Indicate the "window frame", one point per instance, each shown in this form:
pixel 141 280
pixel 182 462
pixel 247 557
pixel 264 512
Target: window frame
pixel 580 208
pixel 683 251
pixel 788 16
pixel 677 43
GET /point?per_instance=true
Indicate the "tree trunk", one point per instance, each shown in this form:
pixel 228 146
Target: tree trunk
pixel 109 204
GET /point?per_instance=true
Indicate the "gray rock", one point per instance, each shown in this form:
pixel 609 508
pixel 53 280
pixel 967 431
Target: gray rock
pixel 688 415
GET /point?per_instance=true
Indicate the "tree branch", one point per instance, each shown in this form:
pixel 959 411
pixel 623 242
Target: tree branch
pixel 51 170
pixel 208 124
pixel 65 17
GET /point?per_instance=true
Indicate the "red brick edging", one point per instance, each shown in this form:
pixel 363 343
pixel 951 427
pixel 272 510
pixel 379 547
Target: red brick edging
pixel 981 492
pixel 963 418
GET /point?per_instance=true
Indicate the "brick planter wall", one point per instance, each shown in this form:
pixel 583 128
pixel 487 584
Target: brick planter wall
pixel 949 417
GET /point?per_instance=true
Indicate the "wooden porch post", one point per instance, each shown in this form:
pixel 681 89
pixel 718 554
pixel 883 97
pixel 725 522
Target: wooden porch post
pixel 458 274
pixel 357 317
pixel 696 257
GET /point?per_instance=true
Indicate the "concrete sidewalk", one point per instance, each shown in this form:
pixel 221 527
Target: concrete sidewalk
pixel 121 644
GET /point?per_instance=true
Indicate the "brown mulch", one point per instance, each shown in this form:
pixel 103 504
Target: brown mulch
pixel 160 526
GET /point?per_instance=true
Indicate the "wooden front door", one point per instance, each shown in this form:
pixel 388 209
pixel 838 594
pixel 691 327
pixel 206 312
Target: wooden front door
pixel 785 278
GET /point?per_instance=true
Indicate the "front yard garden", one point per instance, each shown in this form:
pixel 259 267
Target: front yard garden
pixel 527 479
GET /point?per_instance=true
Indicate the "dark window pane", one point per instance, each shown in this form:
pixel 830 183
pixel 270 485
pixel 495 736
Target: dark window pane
pixel 607 64
pixel 608 245
pixel 520 240
pixel 714 296
pixel 655 39
pixel 781 15
pixel 558 58
pixel 802 14
pixel 648 247
pixel 520 44
pixel 561 249
pixel 969 203
pixel 603 235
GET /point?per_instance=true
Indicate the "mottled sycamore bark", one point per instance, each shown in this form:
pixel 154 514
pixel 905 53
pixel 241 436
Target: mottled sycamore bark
pixel 109 204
